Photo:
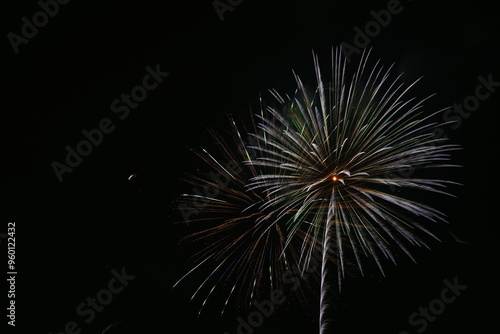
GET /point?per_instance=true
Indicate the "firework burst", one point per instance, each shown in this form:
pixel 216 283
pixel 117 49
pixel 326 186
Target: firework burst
pixel 338 152
pixel 323 173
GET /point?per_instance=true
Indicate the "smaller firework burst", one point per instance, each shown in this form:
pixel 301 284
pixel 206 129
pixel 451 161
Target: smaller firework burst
pixel 246 247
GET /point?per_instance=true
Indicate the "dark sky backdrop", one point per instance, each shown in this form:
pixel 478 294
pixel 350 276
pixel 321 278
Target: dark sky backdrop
pixel 71 235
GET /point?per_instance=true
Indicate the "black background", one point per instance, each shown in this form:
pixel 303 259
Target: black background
pixel 70 235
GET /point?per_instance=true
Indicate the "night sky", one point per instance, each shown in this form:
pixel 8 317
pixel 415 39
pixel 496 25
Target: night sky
pixel 115 211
